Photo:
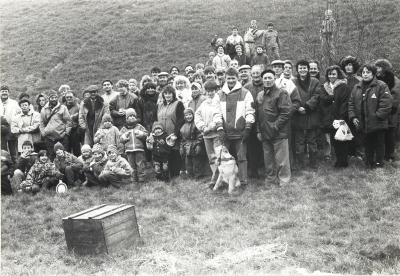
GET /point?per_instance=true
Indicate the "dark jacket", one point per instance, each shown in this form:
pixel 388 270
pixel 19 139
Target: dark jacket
pixel 260 59
pixel 74 113
pixel 273 109
pixel 149 104
pixel 124 102
pixel 24 164
pixel 191 137
pixel 161 150
pixel 196 102
pixel 170 115
pixel 372 109
pixel 5 130
pixel 242 60
pixel 309 91
pixel 394 86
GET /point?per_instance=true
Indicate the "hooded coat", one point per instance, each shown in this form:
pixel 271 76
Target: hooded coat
pixel 149 103
pixel 394 86
pixel 26 127
pixel 55 122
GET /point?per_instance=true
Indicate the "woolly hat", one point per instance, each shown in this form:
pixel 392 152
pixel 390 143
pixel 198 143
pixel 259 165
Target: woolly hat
pixel 85 147
pixel 157 125
pixel 52 93
pixel 196 84
pixel 58 146
pixel 188 110
pixel 112 148
pixel 130 112
pixel 97 148
pixel 106 118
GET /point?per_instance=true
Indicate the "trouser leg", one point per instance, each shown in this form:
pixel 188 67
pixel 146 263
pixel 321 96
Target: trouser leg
pixel 369 148
pixel 71 174
pixel 390 141
pixel 380 146
pixel 269 162
pixel 282 162
pixel 13 149
pixel 241 152
pixel 140 165
pixel 132 161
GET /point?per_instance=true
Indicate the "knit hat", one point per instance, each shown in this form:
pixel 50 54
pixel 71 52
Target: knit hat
pixel 188 110
pixel 130 112
pixel 85 147
pixel 52 93
pixel 112 148
pixel 157 125
pixel 97 148
pixel 92 88
pixel 58 146
pixel 106 118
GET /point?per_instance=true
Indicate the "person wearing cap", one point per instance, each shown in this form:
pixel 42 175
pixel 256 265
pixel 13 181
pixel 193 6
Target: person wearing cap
pixel 132 140
pixel 72 103
pixel 259 58
pixel 107 134
pixel 162 81
pixel 270 41
pixel 197 96
pixel 55 123
pixel 233 40
pixel 93 170
pixel 211 56
pixel 236 117
pixel 117 172
pixel 273 108
pixel 254 146
pixel 221 59
pixel 122 102
pixel 250 38
pixel 306 119
pixel 109 93
pixel 25 125
pixel 24 163
pixel 68 164
pixel 240 56
pixel 209 73
pixel 204 121
pixel 244 74
pixel 170 115
pixel 220 74
pixel 277 66
pixel 91 113
pixel 9 108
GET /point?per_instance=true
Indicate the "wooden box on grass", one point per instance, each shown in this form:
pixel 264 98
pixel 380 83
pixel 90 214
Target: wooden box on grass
pixel 101 229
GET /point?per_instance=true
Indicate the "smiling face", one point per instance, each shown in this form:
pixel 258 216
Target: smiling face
pixel 168 96
pixel 53 100
pixel 259 50
pixel 333 76
pixel 107 87
pixel 313 69
pixel 188 116
pixel 162 80
pixel 4 94
pixel 112 155
pixel 27 149
pixel 278 69
pixel 303 70
pixel 188 69
pixel 174 71
pixel 60 153
pixel 180 85
pixel 131 119
pixel 287 70
pixel 256 76
pixel 97 156
pixel 24 107
pixel 86 153
pixel 150 91
pixel 231 80
pixel 43 159
pixel 234 63
pixel 220 50
pixel 367 75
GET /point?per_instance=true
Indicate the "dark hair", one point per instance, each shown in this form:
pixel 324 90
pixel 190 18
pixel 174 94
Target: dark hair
pixel 270 24
pixel 288 62
pixel 24 100
pixel 209 69
pixel 42 153
pixel 267 71
pixel 107 81
pixel 173 68
pixel 211 85
pixel 234 27
pixel 187 65
pixel 27 143
pixel 146 87
pixel 231 72
pixel 371 67
pixel 314 61
pixel 332 68
pixel 350 59
pixel 199 74
pixel 155 69
pixel 122 83
pixel 302 62
pixel 23 95
pixel 170 89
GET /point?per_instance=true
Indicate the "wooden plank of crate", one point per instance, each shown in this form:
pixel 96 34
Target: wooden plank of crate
pixel 85 211
pixel 96 212
pixel 109 213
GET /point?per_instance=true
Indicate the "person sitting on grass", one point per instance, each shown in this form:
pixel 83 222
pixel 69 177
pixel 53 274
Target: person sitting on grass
pixel 117 172
pixel 93 170
pixel 24 163
pixel 68 164
pixel 108 134
pixel 190 148
pixel 85 158
pixel 161 146
pixel 43 174
pixel 133 137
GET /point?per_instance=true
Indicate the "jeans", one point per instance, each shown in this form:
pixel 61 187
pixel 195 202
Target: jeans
pixel 136 159
pixel 276 161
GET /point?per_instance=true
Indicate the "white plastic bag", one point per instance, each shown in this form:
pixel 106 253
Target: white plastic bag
pixel 343 132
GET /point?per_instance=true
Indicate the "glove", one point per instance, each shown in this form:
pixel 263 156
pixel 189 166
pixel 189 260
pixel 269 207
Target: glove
pixel 246 134
pixel 221 134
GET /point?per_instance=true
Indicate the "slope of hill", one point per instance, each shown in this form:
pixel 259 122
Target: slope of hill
pixel 46 43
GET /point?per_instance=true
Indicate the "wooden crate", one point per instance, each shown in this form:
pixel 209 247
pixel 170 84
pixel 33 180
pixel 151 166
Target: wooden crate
pixel 102 229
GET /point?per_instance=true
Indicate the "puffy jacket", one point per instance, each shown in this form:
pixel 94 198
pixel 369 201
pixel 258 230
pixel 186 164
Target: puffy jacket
pixel 204 117
pixel 124 102
pixel 170 115
pixel 39 171
pixel 55 122
pixel 375 104
pixel 74 113
pixel 25 163
pixel 68 160
pixel 119 167
pixel 309 97
pixel 394 86
pixel 133 139
pixel 107 136
pixel 221 61
pixel 196 102
pixel 273 113
pixel 191 137
pixel 26 127
pixel 236 111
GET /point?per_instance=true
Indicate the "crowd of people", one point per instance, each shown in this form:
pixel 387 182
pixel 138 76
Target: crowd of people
pixel 276 117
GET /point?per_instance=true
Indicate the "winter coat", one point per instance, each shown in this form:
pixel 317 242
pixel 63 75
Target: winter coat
pixel 40 171
pixel 185 96
pixel 5 129
pixel 133 138
pixel 394 86
pixel 25 163
pixel 273 112
pixel 352 80
pixel 191 138
pixel 260 60
pixel 270 39
pixel 372 109
pixel 290 87
pixel 160 149
pixel 170 115
pixel 221 61
pixel 309 96
pixel 196 102
pixel 69 160
pixel 236 111
pixel 85 161
pixel 100 108
pixel 9 109
pixel 204 117
pixel 242 59
pixel 254 89
pixel 119 167
pixel 98 166
pixel 124 102
pixel 74 113
pixel 28 124
pixel 55 122
pixel 333 105
pixel 107 136
pixel 149 103
pixel 252 34
pixel 108 98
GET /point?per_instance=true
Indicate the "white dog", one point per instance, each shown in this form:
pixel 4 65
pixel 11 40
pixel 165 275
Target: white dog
pixel 228 169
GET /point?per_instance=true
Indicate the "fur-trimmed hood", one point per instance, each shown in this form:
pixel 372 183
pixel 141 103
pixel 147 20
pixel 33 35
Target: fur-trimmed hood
pixel 388 78
pixel 98 103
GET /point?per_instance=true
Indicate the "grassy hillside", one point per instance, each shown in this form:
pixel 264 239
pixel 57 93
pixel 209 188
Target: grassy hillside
pixel 46 43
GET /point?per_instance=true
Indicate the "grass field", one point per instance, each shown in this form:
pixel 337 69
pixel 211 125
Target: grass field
pixel 327 220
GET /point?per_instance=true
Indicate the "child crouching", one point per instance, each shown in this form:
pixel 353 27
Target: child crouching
pixel 132 138
pixel 117 172
pixel 190 149
pixel 93 170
